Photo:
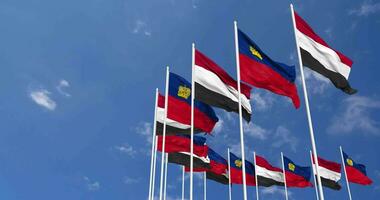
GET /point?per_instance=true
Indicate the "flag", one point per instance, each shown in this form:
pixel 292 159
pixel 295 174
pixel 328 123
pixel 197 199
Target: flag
pixel 179 106
pixel 200 158
pixel 218 168
pixel 356 173
pixel 267 175
pixel 236 172
pixel 320 57
pixel 296 176
pixel 257 69
pixel 172 126
pixel 215 87
pixel 182 143
pixel 329 172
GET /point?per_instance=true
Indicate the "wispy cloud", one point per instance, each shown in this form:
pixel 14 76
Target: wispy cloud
pixel 61 86
pixel 42 98
pixel 130 180
pixel 256 131
pixel 316 83
pixel 262 100
pixel 356 114
pixel 91 185
pixel 140 27
pixel 365 9
pixel 126 149
pixel 275 190
pixel 283 136
pixel 145 129
pixel 218 127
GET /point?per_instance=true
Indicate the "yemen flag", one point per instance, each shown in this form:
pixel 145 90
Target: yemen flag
pixel 295 175
pixel 259 70
pixel 329 172
pixel 218 168
pixel 182 143
pixel 236 171
pixel 320 57
pixel 172 126
pixel 215 87
pixel 267 175
pixel 356 173
pixel 179 106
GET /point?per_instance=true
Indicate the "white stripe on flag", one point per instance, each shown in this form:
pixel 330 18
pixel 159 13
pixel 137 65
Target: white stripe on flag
pixel 274 175
pixel 170 122
pixel 328 174
pixel 326 56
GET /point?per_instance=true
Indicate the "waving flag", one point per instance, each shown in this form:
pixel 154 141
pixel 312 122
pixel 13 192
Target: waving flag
pixel 295 175
pixel 237 173
pixel 267 175
pixel 179 108
pixel 320 57
pixel 356 173
pixel 215 87
pixel 182 143
pixel 257 69
pixel 329 172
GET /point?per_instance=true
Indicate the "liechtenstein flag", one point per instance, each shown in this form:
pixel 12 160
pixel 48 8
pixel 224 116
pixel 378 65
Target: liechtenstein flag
pixel 296 176
pixel 237 171
pixel 356 173
pixel 179 106
pixel 259 70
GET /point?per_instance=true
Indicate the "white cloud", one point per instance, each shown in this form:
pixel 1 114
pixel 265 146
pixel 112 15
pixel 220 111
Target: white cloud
pixel 283 136
pixel 145 129
pixel 41 97
pixel 365 9
pixel 316 83
pixel 141 27
pixel 91 185
pixel 328 32
pixel 60 87
pixel 255 131
pixel 275 190
pixel 218 126
pixel 262 100
pixel 356 115
pixel 130 180
pixel 126 149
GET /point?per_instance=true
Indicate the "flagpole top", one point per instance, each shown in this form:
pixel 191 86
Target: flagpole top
pixel 235 22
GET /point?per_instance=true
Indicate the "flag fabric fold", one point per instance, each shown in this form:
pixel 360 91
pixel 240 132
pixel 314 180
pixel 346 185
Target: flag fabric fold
pixel 259 70
pixel 330 173
pixel 215 87
pixel 356 173
pixel 317 55
pixel 268 175
pixel 182 143
pixel 236 171
pixel 296 176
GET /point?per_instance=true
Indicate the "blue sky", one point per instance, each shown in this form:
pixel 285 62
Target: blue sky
pixel 77 88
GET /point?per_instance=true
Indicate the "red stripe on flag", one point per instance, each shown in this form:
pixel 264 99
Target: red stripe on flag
pixel 294 180
pixel 260 161
pixel 303 27
pixel 175 144
pixel 333 166
pixel 356 176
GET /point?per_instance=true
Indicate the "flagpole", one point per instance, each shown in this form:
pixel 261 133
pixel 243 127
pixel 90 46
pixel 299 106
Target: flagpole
pixel 166 174
pixel 314 147
pixel 183 182
pixel 257 182
pixel 192 121
pixel 204 185
pixel 154 164
pixel 229 175
pixel 283 172
pixel 153 147
pixel 315 181
pixel 164 133
pixel 240 110
pixel 345 172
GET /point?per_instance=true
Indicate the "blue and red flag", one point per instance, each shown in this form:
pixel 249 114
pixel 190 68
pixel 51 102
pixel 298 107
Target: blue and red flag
pixel 236 171
pixel 179 105
pixel 296 176
pixel 356 173
pixel 259 70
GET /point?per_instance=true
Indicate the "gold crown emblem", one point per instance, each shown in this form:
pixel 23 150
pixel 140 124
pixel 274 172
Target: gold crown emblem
pixel 255 52
pixel 350 162
pixel 291 167
pixel 184 92
pixel 238 163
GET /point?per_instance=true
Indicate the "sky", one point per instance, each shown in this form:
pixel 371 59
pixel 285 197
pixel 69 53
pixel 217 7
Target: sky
pixel 78 78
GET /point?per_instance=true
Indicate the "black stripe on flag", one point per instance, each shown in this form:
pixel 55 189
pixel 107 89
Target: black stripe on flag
pixel 267 182
pixel 329 183
pixel 171 130
pixel 184 159
pixel 220 178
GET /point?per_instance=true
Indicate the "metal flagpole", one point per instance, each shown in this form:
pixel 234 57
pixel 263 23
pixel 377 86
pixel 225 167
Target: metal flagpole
pixel 345 172
pixel 153 147
pixel 240 110
pixel 166 174
pixel 192 121
pixel 257 182
pixel 283 172
pixel 183 182
pixel 164 133
pixel 204 186
pixel 315 181
pixel 229 176
pixel 314 147
pixel 154 165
